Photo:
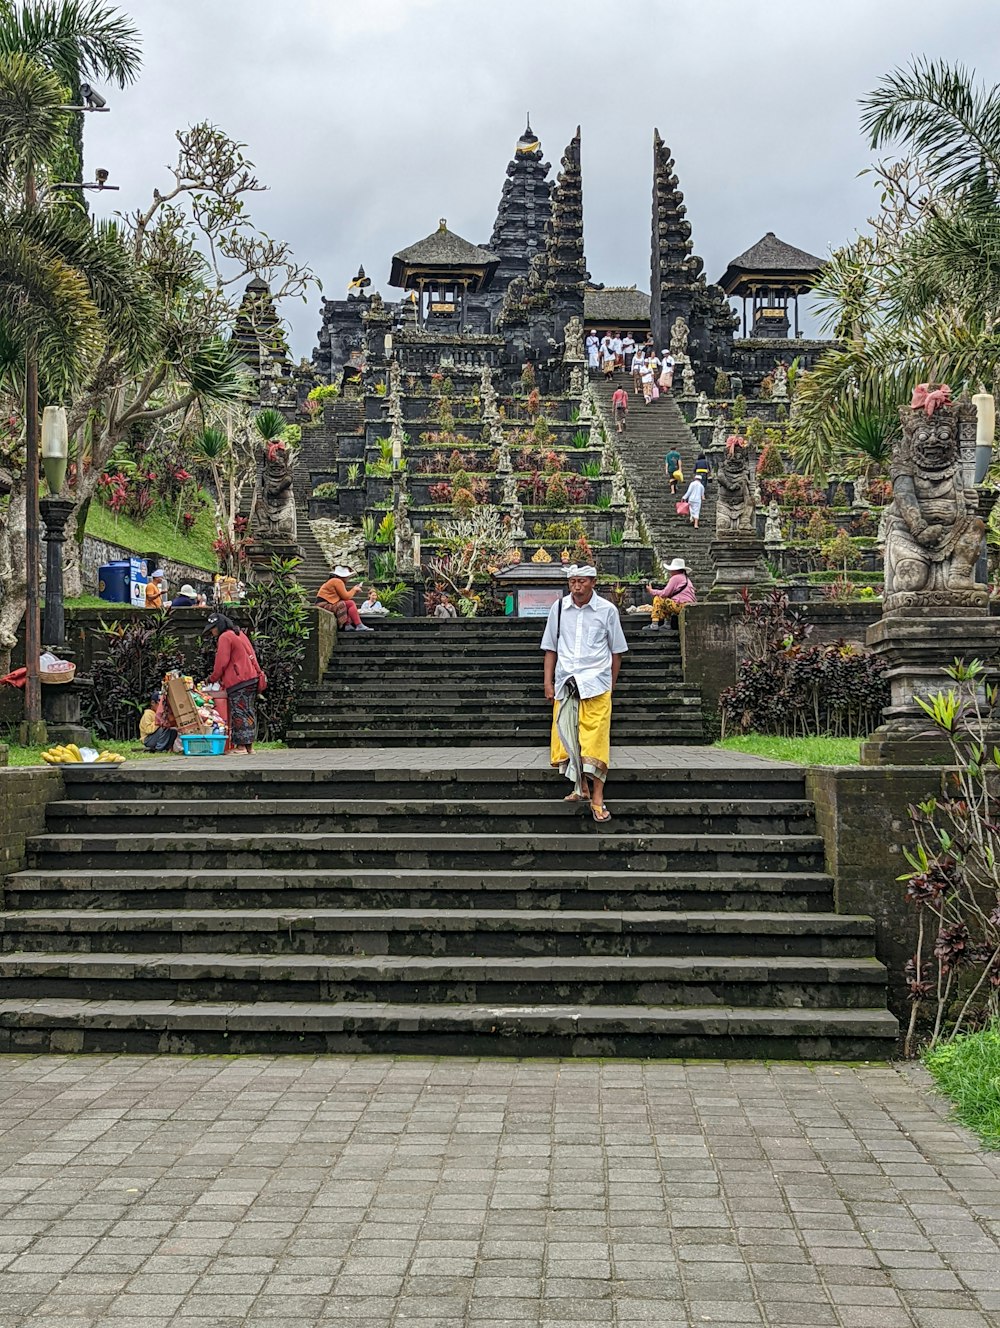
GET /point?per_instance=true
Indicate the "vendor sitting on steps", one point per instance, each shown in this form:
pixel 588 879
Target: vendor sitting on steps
pixel 668 602
pixel 335 598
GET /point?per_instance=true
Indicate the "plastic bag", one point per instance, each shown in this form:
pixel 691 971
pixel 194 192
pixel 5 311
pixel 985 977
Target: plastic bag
pixel 683 508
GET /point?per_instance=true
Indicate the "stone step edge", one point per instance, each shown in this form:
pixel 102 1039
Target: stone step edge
pixel 813 970
pixel 348 1015
pixel 606 921
pixel 404 806
pixel 413 877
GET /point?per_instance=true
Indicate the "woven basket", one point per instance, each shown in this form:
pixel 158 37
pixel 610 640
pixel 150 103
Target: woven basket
pixel 58 679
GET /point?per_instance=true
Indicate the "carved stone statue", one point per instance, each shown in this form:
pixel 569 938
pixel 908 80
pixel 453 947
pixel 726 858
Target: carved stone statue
pixel 404 533
pixel 576 380
pixel 504 465
pixel 861 491
pixel 679 333
pixel 509 491
pixel 573 351
pixel 619 498
pixel 719 432
pixel 276 521
pixel 596 435
pixel 779 392
pixel 734 511
pixel 772 529
pixel 487 396
pixel 933 537
pixel 736 385
pixel 701 415
pixel 586 405
pixel 517 530
pixel 687 379
pixel 609 457
pixel 630 531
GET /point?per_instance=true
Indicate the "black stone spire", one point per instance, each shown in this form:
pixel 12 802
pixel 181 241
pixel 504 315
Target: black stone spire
pixel 522 216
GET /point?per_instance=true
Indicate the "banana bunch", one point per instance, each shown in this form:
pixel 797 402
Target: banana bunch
pixel 70 754
pixel 64 754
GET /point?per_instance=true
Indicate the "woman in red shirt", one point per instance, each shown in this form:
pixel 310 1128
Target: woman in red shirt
pixel 241 678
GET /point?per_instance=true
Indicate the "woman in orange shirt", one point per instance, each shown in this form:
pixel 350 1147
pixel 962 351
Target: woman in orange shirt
pixel 334 596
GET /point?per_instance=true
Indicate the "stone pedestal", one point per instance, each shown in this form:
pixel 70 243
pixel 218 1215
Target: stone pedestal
pixel 61 712
pixel 737 565
pixel 918 645
pixel 260 553
pixel 55 513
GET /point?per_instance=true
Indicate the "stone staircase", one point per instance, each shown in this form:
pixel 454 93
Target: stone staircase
pixel 651 432
pixel 221 906
pixel 465 682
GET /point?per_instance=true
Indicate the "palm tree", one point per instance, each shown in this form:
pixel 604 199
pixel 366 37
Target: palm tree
pixel 919 300
pixel 77 40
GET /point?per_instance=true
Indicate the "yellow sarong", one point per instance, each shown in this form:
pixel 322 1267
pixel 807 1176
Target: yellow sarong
pixel 593 734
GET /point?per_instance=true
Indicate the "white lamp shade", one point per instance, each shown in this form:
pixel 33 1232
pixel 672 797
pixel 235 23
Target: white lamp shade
pixel 55 447
pixel 985 418
pixel 55 437
pixel 397 449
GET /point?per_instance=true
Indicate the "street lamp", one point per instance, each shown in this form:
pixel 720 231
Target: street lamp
pixel 55 512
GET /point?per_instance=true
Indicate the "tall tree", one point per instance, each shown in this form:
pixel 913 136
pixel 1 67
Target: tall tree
pixel 79 41
pixel 917 296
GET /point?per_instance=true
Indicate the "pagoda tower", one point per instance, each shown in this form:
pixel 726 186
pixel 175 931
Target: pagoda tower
pixel 522 216
pixel 260 336
pixel 677 281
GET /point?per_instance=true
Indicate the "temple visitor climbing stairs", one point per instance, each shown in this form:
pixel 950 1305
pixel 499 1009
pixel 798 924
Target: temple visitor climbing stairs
pixel 464 682
pixel 454 908
pixel 650 434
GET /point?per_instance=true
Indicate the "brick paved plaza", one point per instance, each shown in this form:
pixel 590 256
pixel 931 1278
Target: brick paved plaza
pixel 209 1192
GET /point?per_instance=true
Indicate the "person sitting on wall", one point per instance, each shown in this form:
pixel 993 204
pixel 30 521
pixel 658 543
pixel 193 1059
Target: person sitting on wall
pixel 156 588
pixel 373 606
pixel 187 598
pixel 335 598
pixel 668 602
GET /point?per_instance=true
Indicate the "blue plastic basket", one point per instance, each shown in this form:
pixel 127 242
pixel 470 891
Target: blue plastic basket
pixel 203 744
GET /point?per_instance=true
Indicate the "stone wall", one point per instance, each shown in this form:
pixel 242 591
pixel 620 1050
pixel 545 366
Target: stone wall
pixel 24 794
pixel 862 816
pixel 710 638
pixel 98 552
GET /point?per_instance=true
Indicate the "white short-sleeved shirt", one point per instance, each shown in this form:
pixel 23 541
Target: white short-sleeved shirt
pixel 588 637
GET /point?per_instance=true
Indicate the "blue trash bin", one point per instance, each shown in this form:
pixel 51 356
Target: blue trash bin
pixel 113 582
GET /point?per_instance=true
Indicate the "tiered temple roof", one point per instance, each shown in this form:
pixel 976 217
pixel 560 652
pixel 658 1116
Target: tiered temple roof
pixel 524 211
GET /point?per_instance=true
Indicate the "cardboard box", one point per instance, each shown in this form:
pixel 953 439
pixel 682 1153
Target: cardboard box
pixel 182 707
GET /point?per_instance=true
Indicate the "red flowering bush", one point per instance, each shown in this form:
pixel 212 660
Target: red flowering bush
pixel 440 492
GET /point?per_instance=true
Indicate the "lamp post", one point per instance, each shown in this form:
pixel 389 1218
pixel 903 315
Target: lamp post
pixel 56 512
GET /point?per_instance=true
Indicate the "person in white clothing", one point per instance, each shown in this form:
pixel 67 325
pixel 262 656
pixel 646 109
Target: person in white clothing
pixel 593 351
pixel 694 497
pixel 583 644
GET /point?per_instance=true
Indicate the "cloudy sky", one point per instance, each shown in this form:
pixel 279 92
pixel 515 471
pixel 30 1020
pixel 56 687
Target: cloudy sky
pixel 370 119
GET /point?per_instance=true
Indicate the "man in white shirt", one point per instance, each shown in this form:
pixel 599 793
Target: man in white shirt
pixel 583 644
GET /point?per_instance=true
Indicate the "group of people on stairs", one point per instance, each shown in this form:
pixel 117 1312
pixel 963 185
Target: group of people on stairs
pixel 652 372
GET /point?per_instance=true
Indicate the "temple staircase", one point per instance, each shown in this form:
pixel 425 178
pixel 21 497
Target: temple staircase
pixel 652 431
pixel 450 907
pixel 467 682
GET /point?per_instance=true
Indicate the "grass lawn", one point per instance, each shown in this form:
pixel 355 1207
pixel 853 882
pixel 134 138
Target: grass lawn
pixel 133 751
pixel 800 751
pixel 91 602
pixel 968 1070
pixel 158 534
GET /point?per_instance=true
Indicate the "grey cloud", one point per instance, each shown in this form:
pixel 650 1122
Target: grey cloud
pixel 370 121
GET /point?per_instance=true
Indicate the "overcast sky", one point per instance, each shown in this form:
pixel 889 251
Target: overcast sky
pixel 370 119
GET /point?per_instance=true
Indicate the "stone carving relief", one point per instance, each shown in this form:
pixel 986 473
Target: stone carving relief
pixel 734 512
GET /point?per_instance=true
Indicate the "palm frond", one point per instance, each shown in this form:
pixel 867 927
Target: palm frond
pixel 270 424
pixel 77 39
pixel 33 118
pixel 216 371
pixel 936 112
pixel 209 445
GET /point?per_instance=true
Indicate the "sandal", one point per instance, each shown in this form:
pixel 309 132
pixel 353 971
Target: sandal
pixel 577 797
pixel 600 812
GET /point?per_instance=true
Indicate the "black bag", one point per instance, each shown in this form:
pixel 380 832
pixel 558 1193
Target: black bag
pixel 571 684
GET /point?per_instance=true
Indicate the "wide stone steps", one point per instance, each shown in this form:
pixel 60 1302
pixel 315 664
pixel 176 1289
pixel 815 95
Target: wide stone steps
pixel 476 683
pixel 365 815
pixel 431 848
pixel 395 889
pixel 786 982
pixel 222 906
pixel 214 779
pixel 651 433
pixel 435 1030
pixel 417 931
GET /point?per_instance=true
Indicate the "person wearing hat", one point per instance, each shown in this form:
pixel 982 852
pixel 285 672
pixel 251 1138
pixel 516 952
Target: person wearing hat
pixel 583 644
pixel 335 598
pixel 187 598
pixel 241 678
pixel 156 588
pixel 668 602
